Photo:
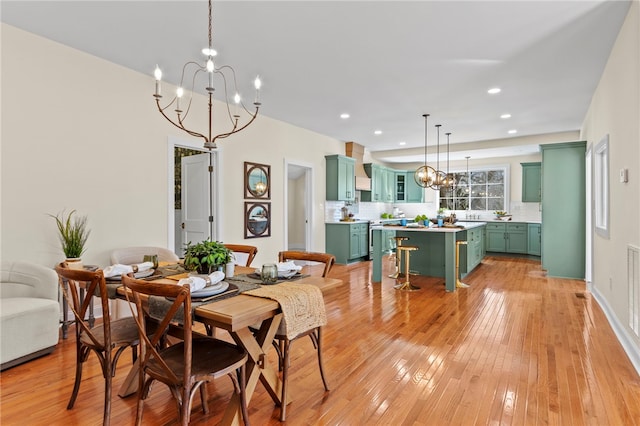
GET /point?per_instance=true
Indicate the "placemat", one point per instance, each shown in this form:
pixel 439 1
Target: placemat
pixel 302 305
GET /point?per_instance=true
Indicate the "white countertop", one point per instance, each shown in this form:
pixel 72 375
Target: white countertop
pixel 460 226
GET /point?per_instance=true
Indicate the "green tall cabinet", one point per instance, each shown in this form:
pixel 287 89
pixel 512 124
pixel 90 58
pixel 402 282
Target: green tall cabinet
pixel 563 209
pixel 340 178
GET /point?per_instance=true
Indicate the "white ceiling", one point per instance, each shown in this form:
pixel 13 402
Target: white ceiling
pixel 383 62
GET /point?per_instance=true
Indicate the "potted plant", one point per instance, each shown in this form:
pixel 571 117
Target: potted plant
pixel 206 257
pixel 73 235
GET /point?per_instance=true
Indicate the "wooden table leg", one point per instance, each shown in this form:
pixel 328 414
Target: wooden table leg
pixel 130 384
pixel 257 367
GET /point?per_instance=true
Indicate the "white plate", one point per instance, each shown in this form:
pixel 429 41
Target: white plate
pixel 141 274
pixel 287 274
pixel 211 290
pixel 281 274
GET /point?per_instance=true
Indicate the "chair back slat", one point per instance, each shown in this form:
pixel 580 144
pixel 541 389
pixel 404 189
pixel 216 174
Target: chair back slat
pixel 327 259
pixel 94 284
pixel 250 251
pixel 151 345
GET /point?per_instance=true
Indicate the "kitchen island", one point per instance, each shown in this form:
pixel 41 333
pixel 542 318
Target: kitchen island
pixel 437 249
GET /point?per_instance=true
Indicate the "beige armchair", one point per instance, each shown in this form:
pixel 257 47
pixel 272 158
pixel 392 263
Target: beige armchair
pixel 29 312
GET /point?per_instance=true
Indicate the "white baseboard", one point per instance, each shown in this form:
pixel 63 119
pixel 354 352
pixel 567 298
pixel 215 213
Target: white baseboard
pixel 626 340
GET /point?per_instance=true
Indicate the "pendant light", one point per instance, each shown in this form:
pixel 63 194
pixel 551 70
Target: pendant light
pixel 439 176
pixel 425 174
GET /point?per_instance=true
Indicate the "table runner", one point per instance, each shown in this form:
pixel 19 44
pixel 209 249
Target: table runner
pixel 302 305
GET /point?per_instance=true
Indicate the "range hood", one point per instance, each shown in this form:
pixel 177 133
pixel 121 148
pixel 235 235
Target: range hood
pixel 356 151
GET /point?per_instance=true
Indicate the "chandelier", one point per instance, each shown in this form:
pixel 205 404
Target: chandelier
pixel 182 106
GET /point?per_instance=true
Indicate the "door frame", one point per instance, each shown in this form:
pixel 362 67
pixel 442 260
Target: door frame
pixel 308 201
pixel 216 189
pixel 589 209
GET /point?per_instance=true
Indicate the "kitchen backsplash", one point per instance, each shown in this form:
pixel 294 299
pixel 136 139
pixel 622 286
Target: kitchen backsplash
pixel 370 211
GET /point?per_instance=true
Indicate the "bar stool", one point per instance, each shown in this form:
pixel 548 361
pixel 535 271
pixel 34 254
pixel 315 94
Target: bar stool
pixel 398 244
pixel 406 285
pixel 459 284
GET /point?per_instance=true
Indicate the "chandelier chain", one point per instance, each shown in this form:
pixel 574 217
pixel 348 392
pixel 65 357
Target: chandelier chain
pixel 210 25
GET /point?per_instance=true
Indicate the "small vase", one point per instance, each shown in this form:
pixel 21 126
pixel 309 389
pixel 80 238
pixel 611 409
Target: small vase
pixel 74 263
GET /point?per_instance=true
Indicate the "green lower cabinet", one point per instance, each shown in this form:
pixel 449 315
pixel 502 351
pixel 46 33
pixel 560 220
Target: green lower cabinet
pixel 534 240
pixel 495 237
pixel 347 242
pixel 507 237
pixel 473 252
pixel 516 238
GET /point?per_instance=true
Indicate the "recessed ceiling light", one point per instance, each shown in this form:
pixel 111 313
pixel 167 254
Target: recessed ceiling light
pixel 505 116
pixel 512 131
pixel 377 132
pixel 402 143
pixel 493 90
pixel 344 116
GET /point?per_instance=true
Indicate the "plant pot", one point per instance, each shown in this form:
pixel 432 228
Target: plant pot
pixel 74 263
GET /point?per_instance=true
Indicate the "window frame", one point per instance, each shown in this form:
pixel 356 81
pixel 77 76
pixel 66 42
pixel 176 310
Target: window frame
pixel 504 168
pixel 601 184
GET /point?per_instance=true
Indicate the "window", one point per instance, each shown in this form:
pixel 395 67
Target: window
pixel 601 187
pixel 486 191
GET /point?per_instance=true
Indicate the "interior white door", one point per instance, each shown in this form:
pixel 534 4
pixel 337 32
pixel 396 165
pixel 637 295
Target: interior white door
pixel 298 200
pixel 196 198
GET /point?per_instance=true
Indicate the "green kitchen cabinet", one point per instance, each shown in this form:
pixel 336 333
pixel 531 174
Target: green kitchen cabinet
pixel 348 242
pixel 382 184
pixel 495 237
pixel 472 254
pixel 506 237
pixel 516 238
pixel 415 193
pixel 400 189
pixel 340 178
pixel 531 182
pixel 533 240
pixel 563 209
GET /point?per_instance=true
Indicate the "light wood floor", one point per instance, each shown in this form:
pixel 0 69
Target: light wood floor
pixel 516 348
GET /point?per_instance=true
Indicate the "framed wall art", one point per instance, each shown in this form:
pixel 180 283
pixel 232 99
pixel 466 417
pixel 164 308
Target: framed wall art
pixel 257 181
pixel 257 219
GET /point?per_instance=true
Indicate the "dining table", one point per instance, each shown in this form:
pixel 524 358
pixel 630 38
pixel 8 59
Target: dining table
pixel 236 314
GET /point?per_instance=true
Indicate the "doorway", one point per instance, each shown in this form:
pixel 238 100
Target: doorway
pixel 192 192
pixel 588 218
pixel 298 216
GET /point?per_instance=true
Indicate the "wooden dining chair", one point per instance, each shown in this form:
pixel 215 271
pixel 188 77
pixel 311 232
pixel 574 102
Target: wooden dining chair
pixel 131 255
pixel 247 253
pixel 282 343
pixel 107 340
pixel 188 364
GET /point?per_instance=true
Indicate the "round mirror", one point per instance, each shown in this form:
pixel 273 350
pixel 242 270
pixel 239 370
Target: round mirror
pixel 257 180
pixel 257 220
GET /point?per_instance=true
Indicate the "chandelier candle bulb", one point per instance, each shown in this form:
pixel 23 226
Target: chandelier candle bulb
pixel 157 73
pixel 179 93
pixel 258 84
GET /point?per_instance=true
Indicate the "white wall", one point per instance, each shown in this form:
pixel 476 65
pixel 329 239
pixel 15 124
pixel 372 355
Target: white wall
pixel 82 133
pixel 615 110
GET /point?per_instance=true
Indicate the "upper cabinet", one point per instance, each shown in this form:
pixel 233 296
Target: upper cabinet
pixel 531 182
pixel 340 184
pixel 382 184
pixel 391 186
pixel 415 193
